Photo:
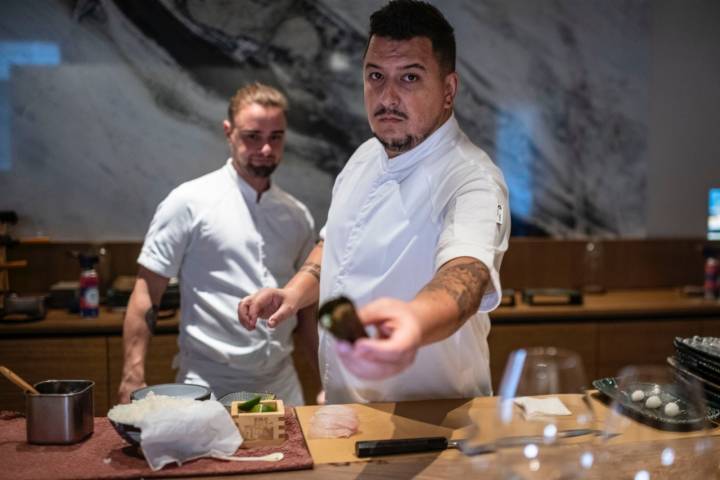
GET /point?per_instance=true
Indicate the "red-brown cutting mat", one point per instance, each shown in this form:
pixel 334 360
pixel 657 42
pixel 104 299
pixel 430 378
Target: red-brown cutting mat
pixel 104 455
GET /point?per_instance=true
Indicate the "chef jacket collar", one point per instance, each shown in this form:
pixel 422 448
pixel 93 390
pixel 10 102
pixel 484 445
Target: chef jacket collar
pixel 447 133
pixel 249 193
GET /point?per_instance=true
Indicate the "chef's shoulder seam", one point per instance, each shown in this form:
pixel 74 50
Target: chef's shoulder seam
pixel 204 193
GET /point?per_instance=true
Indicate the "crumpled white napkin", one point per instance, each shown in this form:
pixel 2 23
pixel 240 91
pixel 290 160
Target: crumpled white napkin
pixel 536 408
pixel 199 429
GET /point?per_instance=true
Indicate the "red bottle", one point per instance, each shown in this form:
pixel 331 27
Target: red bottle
pixel 89 287
pixel 712 266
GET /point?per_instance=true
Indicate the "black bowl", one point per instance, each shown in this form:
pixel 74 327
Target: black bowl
pixel 129 433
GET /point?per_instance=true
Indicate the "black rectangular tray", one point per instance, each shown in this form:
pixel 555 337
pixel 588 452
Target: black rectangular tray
pixel 699 365
pixel 552 296
pixel 707 348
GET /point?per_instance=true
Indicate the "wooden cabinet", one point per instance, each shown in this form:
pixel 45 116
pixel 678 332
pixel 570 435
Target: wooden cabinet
pixel 606 345
pixel 646 342
pixel 609 331
pixel 64 346
pixel 38 359
pixel 504 338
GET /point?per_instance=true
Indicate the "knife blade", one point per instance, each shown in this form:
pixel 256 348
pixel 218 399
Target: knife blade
pixel 374 448
pixel 478 449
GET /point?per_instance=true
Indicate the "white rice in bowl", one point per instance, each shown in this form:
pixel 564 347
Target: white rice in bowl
pixel 133 413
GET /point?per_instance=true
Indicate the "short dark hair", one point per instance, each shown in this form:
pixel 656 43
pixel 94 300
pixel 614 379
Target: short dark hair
pixel 405 19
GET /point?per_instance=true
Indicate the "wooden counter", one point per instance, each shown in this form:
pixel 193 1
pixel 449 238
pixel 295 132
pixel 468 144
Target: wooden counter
pixel 642 303
pixel 637 448
pixel 67 346
pixel 59 323
pixel 609 331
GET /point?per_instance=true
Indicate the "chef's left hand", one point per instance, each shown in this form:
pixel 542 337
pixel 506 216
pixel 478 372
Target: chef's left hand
pixel 393 350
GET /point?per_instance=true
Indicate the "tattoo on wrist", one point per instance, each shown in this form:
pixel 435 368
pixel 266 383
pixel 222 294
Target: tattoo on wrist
pixel 465 283
pixel 151 317
pixel 311 268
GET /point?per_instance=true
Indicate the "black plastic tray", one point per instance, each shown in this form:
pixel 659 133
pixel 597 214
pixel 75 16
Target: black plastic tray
pixel 698 365
pixel 707 348
pixel 655 417
pixel 711 390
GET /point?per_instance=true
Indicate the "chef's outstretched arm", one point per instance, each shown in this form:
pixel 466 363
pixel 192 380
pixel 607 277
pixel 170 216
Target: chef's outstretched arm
pixel 438 311
pixel 278 304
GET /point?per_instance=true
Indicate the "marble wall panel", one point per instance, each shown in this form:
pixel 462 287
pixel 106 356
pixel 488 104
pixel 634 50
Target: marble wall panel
pixel 555 91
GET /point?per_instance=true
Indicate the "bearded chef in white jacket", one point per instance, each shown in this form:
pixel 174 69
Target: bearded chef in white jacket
pixel 415 233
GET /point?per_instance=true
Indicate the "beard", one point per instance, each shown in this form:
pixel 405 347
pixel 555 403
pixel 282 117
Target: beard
pixel 263 171
pixel 398 145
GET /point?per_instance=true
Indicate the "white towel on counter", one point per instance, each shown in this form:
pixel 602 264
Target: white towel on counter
pixel 537 408
pixel 199 429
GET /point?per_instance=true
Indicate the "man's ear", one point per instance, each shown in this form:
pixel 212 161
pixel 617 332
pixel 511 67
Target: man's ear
pixel 227 128
pixel 450 86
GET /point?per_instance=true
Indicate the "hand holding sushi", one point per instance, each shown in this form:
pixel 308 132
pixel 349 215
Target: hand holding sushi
pixel 438 311
pixel 392 350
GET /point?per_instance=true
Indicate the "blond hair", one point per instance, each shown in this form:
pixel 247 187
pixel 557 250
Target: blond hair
pixel 256 93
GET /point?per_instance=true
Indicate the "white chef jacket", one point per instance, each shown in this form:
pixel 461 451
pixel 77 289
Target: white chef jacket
pixel 223 245
pixel 392 224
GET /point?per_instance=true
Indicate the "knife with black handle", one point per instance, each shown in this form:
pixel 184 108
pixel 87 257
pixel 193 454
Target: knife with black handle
pixel 374 448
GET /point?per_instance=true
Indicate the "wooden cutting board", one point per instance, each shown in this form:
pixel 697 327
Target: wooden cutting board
pixel 450 418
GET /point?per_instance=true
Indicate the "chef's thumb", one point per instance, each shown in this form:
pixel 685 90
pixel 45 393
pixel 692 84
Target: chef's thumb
pixel 280 314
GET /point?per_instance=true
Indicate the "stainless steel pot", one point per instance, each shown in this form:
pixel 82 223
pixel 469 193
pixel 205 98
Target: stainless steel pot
pixel 61 413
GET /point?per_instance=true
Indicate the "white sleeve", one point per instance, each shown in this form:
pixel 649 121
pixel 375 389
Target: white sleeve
pixel 168 236
pixel 476 224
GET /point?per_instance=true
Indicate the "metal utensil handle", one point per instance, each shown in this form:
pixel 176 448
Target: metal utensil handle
pixel 14 378
pixel 372 448
pixel 470 449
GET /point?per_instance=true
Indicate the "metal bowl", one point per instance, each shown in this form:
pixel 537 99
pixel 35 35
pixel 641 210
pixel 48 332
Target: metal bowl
pixel 180 390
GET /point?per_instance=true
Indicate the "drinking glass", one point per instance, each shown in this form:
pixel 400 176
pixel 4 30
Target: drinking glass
pixel 544 422
pixel 656 427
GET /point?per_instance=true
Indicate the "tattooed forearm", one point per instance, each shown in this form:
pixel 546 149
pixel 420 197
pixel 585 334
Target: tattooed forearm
pixel 311 268
pixel 464 282
pixel 151 317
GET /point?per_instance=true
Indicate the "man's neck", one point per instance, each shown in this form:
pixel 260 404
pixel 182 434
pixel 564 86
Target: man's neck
pixel 259 184
pixel 440 122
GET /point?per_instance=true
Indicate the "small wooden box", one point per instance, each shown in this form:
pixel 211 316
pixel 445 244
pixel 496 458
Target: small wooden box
pixel 259 429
